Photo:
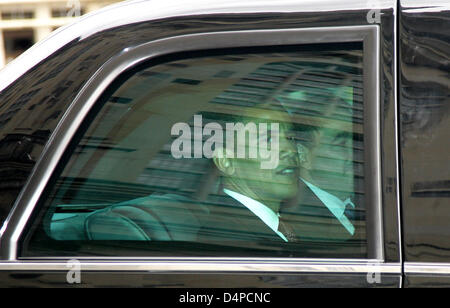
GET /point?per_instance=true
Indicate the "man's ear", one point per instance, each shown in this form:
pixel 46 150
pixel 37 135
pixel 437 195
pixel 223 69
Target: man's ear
pixel 225 165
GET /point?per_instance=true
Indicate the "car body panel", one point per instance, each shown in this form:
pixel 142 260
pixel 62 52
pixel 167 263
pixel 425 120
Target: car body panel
pixel 40 88
pixel 424 95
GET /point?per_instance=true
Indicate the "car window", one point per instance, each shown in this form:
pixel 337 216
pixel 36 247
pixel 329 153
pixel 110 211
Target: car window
pixel 244 152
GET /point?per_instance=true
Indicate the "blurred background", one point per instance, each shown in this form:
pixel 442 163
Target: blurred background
pixel 25 22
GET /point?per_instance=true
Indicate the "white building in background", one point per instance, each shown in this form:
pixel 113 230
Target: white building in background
pixel 25 22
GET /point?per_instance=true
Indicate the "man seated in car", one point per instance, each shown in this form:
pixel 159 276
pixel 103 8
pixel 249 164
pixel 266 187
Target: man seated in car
pixel 258 192
pixel 267 202
pixel 250 204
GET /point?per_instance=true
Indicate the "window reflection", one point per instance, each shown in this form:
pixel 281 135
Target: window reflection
pixel 256 152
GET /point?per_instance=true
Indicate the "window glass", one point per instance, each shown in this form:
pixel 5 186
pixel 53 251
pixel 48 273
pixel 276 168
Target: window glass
pixel 228 153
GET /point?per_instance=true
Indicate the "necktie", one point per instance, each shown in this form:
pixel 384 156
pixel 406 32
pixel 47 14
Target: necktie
pixel 287 231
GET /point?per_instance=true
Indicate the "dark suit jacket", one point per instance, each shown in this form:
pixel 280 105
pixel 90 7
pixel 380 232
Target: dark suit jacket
pixel 226 222
pixel 313 221
pixel 310 219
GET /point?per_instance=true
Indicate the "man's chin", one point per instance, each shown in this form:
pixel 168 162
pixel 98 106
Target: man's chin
pixel 289 194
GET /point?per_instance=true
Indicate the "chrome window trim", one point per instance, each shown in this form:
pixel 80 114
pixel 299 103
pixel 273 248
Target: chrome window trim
pixel 372 146
pixel 426 268
pixel 129 57
pixel 397 138
pixel 207 265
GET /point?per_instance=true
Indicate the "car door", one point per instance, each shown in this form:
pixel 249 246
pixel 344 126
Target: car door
pixel 142 184
pixel 424 141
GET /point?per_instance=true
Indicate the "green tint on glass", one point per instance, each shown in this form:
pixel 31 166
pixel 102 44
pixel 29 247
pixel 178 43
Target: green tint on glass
pixel 258 154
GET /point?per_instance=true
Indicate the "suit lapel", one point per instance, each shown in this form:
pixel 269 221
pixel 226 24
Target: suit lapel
pixel 312 220
pixel 236 222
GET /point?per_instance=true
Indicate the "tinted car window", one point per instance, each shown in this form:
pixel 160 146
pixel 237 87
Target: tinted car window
pixel 244 153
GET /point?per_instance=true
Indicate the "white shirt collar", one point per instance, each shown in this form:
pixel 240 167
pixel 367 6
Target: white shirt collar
pixel 334 204
pixel 269 217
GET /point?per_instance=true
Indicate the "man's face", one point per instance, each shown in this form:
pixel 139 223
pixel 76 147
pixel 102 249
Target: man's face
pixel 332 145
pixel 281 181
pixel 332 148
pixel 336 146
pixel 334 153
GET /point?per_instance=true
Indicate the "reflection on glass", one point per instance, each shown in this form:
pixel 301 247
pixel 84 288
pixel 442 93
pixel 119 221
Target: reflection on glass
pixel 249 154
